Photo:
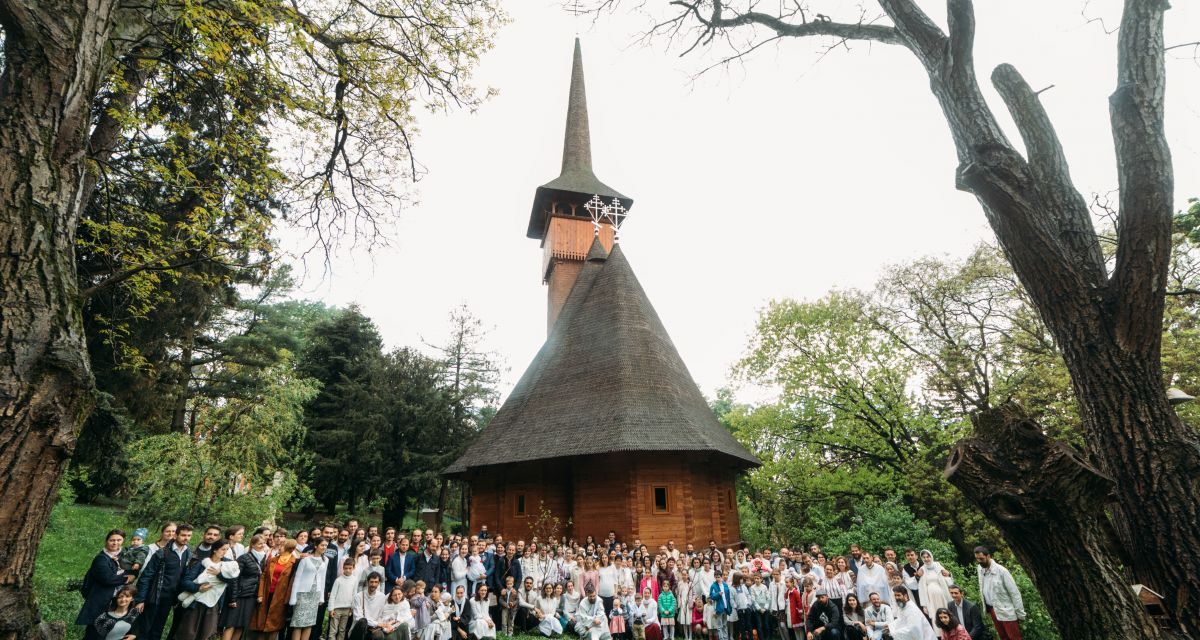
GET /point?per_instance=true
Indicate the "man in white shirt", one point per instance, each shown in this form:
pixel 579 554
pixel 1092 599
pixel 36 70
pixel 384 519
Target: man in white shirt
pixel 343 546
pixel 910 622
pixel 590 621
pixel 368 604
pixel 999 596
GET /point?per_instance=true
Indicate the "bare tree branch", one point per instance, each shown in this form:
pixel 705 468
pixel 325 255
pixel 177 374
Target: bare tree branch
pixel 717 20
pixel 1145 177
pixel 1049 166
pixel 920 33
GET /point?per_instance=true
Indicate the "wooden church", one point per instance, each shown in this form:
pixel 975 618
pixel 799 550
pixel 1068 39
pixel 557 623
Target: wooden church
pixel 606 428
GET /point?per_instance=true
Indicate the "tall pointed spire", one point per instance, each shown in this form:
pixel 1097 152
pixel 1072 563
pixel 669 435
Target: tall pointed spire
pixel 577 182
pixel 577 143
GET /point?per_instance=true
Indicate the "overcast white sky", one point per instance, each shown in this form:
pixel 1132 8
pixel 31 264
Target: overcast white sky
pixel 781 177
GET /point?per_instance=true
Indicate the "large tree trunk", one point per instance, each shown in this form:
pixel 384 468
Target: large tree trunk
pixel 443 494
pixel 1155 460
pixel 53 63
pixel 394 511
pixel 1050 505
pixel 1109 327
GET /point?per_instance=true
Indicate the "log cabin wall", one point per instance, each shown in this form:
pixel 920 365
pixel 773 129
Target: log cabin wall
pixel 509 499
pixel 649 496
pixel 564 251
pixel 602 489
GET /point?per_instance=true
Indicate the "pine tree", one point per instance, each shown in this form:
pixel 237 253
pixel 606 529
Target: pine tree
pixel 346 418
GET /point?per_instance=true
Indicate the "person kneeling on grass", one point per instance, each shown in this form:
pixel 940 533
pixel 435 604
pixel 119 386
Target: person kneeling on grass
pixel 368 605
pixel 395 620
pixel 591 623
pixel 546 612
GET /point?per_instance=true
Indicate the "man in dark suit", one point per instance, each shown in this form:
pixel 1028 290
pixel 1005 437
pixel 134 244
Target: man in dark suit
pixel 968 614
pixel 332 571
pixel 427 566
pixel 401 566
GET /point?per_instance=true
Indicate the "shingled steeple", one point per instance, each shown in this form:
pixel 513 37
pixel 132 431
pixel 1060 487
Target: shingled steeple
pixel 559 217
pixel 577 181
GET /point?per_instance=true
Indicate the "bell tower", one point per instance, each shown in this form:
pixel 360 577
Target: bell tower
pixel 564 209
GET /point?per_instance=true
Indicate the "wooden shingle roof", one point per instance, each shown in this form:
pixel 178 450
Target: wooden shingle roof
pixel 607 379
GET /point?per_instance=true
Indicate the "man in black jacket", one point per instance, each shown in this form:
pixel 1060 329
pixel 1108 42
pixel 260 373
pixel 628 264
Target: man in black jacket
pixel 824 619
pixel 428 566
pixel 158 584
pixel 968 614
pixel 332 571
pixel 503 565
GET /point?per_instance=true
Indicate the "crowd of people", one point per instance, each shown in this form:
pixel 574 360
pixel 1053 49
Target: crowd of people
pixel 362 583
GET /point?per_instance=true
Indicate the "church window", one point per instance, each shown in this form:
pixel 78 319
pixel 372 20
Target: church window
pixel 520 504
pixel 661 503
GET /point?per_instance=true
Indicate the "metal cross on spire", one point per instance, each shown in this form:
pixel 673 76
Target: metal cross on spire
pixel 613 213
pixel 596 209
pixel 616 214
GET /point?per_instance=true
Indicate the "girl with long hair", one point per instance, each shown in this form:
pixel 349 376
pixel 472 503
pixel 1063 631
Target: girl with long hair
pixel 949 626
pixel 117 622
pixel 854 619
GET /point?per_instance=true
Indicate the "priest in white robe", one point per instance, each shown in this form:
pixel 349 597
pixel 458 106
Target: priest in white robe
pixel 910 622
pixel 591 623
pixel 873 578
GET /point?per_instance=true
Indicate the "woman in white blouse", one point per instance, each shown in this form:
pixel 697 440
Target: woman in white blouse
pixel 546 611
pixel 607 575
pixel 481 624
pixel 395 620
pixel 458 570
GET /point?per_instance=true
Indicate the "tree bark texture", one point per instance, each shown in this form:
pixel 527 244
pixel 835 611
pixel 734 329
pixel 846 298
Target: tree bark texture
pixel 1050 505
pixel 54 53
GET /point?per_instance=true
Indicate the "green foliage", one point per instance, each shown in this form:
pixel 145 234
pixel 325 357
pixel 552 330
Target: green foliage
pixel 101 462
pixel 218 123
pixel 888 523
pixel 420 434
pixel 377 416
pixel 754 531
pixel 848 427
pixel 345 357
pixel 236 467
pixel 470 372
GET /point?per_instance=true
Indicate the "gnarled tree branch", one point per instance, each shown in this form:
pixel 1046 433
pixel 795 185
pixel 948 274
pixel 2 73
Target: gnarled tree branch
pixel 1051 173
pixel 1145 176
